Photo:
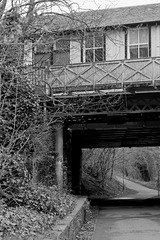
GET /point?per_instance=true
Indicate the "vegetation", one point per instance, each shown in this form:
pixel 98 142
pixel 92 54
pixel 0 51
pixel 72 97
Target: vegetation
pixel 30 201
pixel 98 172
pixel 141 164
pixel 101 166
pixel 40 210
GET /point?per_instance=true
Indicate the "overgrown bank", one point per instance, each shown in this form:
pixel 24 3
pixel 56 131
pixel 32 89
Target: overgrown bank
pixel 40 214
pixel 98 174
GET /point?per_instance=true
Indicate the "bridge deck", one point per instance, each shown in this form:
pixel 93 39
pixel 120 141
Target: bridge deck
pixel 134 122
pixel 127 119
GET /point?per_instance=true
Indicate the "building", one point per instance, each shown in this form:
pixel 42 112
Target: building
pixel 123 44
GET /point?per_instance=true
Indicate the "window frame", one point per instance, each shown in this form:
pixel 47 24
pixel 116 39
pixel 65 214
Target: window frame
pixel 58 46
pixel 138 44
pixel 60 50
pixel 94 48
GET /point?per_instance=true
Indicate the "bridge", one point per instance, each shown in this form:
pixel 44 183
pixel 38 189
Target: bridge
pixel 103 104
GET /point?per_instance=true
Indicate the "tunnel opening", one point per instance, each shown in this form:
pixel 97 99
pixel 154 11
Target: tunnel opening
pixel 132 129
pixel 106 166
pixel 122 173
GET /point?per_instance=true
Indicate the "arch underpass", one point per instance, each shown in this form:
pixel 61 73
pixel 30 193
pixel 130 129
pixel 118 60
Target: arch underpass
pixel 133 122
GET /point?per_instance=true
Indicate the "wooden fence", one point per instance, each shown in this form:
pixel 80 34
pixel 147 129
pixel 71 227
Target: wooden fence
pixel 98 76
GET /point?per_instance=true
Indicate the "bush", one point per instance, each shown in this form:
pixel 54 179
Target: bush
pixel 21 221
pixel 19 111
pixel 40 208
pixel 16 188
pixel 12 176
pixel 47 200
pixel 44 167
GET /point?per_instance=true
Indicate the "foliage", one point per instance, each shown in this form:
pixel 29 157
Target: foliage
pixel 44 169
pixel 47 200
pixel 40 154
pixel 13 175
pixel 91 186
pixel 33 208
pixel 139 163
pixel 99 163
pixel 26 142
pixel 19 110
pixel 40 209
pixel 21 221
pixel 98 172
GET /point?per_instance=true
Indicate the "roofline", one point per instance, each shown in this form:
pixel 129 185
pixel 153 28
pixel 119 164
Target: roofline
pixel 108 23
pixel 113 27
pixel 133 6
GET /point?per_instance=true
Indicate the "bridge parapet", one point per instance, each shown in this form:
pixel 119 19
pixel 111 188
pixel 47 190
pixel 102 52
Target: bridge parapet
pixel 109 75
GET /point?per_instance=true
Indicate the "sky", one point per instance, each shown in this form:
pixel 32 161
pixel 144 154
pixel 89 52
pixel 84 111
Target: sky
pixel 100 4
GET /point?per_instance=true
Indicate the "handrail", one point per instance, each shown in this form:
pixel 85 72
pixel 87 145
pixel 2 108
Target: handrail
pixel 101 75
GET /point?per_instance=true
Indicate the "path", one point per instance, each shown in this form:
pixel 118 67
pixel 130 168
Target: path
pixel 129 222
pixel 142 192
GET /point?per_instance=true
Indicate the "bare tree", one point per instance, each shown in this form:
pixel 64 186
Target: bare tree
pixel 21 112
pixel 30 31
pixel 99 164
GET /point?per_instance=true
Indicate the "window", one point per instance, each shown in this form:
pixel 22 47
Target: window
pixel 42 53
pixel 138 43
pixel 57 53
pixel 94 47
pixel 61 52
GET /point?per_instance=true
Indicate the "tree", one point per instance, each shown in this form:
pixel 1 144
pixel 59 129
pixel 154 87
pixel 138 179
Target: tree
pixel 99 164
pixel 29 25
pixel 21 109
pixel 139 163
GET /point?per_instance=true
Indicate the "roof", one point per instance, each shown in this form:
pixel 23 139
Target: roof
pixel 105 17
pixel 129 15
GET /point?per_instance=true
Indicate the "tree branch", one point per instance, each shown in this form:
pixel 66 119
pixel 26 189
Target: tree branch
pixel 2 7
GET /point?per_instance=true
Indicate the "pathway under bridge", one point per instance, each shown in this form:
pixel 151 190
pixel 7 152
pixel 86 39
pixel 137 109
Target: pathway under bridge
pixel 108 120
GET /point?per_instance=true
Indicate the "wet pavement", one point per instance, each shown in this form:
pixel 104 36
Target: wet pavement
pixel 133 217
pixel 141 191
pixel 128 223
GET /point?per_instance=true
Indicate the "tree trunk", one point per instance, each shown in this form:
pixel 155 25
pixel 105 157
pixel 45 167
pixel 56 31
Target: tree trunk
pixel 2 7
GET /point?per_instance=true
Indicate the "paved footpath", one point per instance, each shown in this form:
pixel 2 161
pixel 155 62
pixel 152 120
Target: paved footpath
pixel 142 192
pixel 129 222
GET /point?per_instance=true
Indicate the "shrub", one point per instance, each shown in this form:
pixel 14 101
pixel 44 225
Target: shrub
pixel 47 200
pixel 40 208
pixel 21 221
pixel 12 176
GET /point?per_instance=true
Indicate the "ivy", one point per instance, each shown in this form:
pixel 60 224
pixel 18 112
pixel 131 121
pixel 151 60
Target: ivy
pixel 19 109
pixel 22 221
pixel 41 208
